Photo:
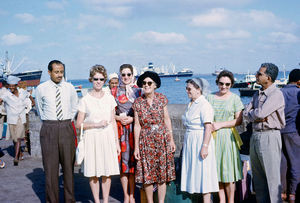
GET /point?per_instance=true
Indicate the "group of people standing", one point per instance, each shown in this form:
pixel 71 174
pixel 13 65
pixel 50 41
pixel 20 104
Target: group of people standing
pixel 128 132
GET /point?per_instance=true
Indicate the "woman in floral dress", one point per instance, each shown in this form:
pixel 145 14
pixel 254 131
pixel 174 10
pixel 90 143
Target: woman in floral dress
pixel 125 94
pixel 154 144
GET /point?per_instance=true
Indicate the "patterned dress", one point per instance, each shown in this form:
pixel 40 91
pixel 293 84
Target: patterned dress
pixel 229 164
pixel 125 132
pixel 156 164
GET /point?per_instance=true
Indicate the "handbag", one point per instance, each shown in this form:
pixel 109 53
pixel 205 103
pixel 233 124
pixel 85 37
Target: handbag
pixel 80 147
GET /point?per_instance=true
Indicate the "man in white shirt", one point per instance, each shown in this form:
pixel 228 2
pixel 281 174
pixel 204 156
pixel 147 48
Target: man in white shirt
pixel 15 105
pixel 56 101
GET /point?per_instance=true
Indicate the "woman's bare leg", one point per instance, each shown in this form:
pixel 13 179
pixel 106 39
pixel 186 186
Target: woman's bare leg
pixel 162 188
pixel 94 184
pixel 106 182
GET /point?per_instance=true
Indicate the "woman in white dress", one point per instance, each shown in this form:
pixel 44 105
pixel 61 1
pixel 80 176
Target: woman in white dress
pixel 96 111
pixel 199 171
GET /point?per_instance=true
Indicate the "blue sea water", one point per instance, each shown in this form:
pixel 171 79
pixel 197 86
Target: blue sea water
pixel 175 90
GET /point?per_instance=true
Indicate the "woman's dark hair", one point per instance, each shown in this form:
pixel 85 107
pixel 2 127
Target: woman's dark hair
pixel 122 67
pixel 225 73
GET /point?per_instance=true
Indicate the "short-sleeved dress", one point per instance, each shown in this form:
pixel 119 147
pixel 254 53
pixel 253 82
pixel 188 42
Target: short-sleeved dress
pixel 198 175
pixel 125 132
pixel 156 164
pixel 229 164
pixel 101 158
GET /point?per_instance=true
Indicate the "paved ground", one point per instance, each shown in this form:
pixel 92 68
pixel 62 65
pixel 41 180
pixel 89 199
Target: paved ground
pixel 26 182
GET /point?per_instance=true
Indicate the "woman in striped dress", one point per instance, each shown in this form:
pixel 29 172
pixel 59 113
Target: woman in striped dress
pixel 227 114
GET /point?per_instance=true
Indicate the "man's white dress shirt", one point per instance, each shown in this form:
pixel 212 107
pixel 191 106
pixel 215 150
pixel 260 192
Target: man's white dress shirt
pixel 45 96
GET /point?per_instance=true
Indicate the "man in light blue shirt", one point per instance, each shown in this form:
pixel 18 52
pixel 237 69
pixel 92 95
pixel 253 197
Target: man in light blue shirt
pixel 56 101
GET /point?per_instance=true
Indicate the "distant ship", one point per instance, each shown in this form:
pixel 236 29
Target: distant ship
pixel 163 71
pixel 31 78
pixel 217 72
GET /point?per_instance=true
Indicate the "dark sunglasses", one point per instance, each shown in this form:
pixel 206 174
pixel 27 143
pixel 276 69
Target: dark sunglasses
pixel 96 79
pixel 124 74
pixel 148 83
pixel 227 84
pixel 188 88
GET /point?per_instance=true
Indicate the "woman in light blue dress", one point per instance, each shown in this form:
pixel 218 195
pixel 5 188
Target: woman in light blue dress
pixel 199 171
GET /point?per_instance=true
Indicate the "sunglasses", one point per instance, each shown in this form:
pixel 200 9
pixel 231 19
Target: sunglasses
pixel 124 74
pixel 148 83
pixel 188 89
pixel 96 79
pixel 227 84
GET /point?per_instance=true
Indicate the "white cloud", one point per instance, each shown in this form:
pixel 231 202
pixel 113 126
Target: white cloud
pixel 218 17
pixel 120 8
pixel 94 21
pixel 281 37
pixel 55 5
pixel 13 39
pixel 160 38
pixel 226 18
pixel 229 35
pixel 121 11
pixel 25 17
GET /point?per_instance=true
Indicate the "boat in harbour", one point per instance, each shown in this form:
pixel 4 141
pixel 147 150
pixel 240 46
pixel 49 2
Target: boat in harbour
pixel 163 71
pixel 217 72
pixel 249 91
pixel 30 78
pixel 249 79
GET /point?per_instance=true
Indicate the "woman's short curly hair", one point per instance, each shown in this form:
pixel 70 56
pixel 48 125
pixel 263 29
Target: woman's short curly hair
pixel 225 73
pixel 97 69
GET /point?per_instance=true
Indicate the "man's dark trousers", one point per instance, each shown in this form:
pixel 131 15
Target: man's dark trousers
pixel 58 147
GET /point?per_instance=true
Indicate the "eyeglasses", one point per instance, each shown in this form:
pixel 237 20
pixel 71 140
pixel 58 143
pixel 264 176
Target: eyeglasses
pixel 149 83
pixel 222 83
pixel 96 79
pixel 188 89
pixel 259 73
pixel 124 74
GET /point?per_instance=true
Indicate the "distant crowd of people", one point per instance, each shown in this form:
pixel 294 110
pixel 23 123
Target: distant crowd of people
pixel 128 132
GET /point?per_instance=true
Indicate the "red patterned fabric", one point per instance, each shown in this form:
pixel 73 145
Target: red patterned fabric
pixel 156 164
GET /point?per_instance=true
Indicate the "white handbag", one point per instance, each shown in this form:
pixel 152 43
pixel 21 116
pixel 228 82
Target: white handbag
pixel 80 147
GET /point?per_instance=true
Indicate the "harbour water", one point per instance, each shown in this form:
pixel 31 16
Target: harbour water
pixel 175 90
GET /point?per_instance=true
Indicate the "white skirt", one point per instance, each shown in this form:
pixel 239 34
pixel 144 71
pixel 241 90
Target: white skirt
pixel 198 175
pixel 101 158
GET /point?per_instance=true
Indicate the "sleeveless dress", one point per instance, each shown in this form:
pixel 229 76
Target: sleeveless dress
pixel 198 175
pixel 229 164
pixel 125 132
pixel 101 158
pixel 156 164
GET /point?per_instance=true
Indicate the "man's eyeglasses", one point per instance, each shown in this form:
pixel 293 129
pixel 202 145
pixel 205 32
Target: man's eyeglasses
pixel 259 73
pixel 149 83
pixel 96 79
pixel 124 74
pixel 222 83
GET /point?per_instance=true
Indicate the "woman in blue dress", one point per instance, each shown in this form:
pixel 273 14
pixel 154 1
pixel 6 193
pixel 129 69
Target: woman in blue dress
pixel 199 171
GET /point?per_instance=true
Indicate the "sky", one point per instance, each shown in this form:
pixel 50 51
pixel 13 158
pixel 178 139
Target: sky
pixel 202 35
